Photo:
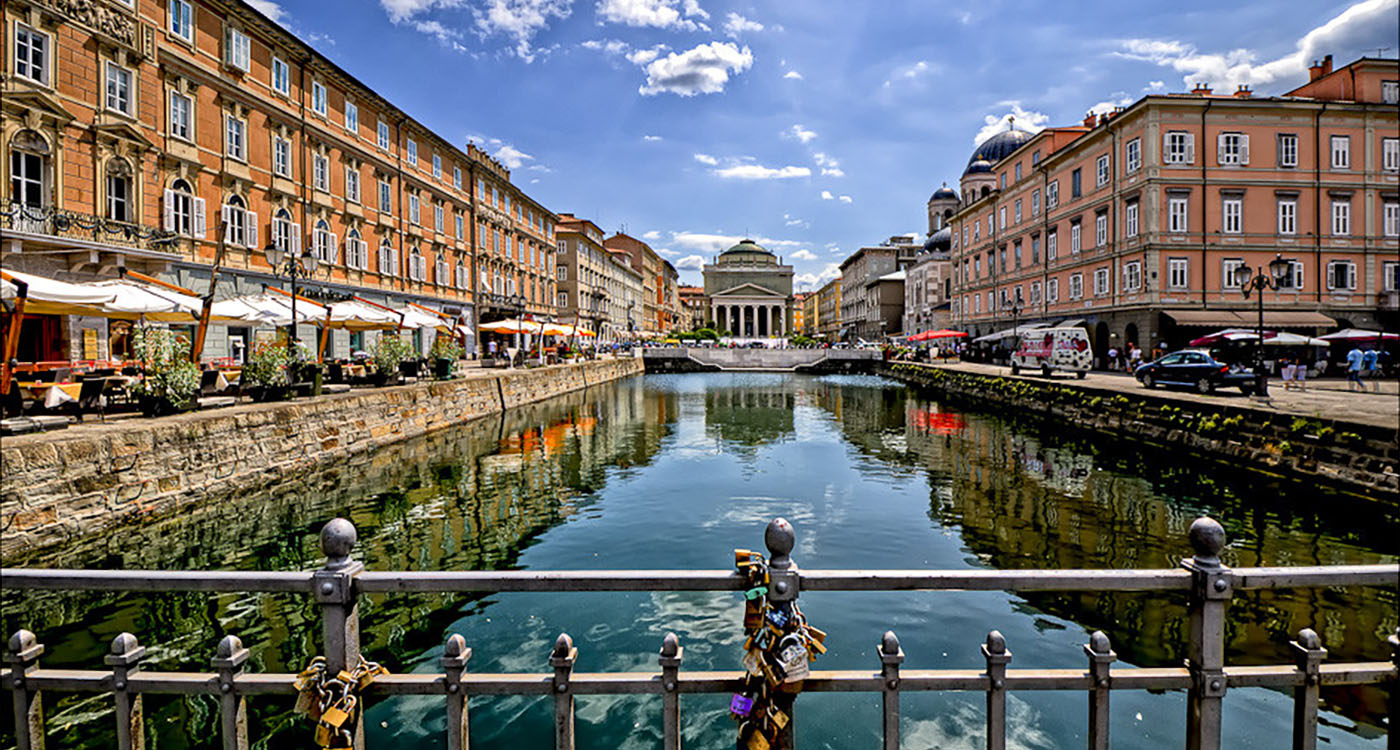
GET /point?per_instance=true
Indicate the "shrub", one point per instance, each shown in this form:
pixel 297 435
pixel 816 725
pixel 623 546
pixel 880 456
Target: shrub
pixel 170 377
pixel 445 347
pixel 268 365
pixel 389 352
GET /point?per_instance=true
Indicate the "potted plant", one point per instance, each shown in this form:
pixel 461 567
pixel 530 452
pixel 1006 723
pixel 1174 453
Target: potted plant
pixel 170 379
pixel 265 375
pixel 388 353
pixel 444 353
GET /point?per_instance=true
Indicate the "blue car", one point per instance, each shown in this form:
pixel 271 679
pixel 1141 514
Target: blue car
pixel 1195 369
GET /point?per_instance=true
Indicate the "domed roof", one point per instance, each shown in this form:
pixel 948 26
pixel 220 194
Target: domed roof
pixel 940 241
pixel 943 193
pixel 998 147
pixel 746 246
pixel 978 167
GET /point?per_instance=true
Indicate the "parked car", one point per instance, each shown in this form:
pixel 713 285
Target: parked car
pixel 1195 369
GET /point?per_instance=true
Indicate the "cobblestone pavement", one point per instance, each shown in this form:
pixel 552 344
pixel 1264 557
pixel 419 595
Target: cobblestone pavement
pixel 1328 399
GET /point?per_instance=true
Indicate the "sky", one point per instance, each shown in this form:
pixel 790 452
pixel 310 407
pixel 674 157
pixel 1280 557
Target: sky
pixel 811 126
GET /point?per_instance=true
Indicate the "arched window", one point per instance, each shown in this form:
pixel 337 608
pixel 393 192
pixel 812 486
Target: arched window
pixel 461 274
pixel 324 243
pixel 286 234
pixel 985 191
pixel 417 266
pixel 119 195
pixel 356 253
pixel 388 259
pixel 29 169
pixel 240 224
pixel 442 272
pixel 184 213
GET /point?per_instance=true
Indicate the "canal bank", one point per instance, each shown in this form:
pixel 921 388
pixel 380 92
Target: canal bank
pixel 92 477
pixel 1358 456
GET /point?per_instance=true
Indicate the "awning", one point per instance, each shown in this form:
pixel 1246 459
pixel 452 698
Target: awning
pixel 1017 331
pixel 1244 319
pixel 53 297
pixel 1069 323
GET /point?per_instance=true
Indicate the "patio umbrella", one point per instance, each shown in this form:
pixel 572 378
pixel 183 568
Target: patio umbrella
pixel 942 333
pixel 46 296
pixel 354 315
pixel 268 309
pixel 1359 336
pixel 1293 339
pixel 1229 334
pixel 511 326
pixel 413 319
pixel 137 300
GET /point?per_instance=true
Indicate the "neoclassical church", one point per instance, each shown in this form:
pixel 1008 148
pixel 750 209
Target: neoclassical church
pixel 748 291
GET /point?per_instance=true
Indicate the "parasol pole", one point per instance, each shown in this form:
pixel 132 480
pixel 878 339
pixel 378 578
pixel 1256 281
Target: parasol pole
pixel 12 333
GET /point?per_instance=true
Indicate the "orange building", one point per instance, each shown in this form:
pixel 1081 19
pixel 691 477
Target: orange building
pixel 181 137
pixel 1132 224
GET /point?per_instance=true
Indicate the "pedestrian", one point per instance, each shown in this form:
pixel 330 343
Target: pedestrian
pixel 1134 358
pixel 1355 358
pixel 1300 374
pixel 1287 369
pixel 1370 364
pixel 1112 358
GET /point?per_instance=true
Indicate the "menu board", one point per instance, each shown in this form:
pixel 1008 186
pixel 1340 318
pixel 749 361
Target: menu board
pixel 90 344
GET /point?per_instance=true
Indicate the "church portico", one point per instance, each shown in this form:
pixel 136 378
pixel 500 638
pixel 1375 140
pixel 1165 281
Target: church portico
pixel 749 293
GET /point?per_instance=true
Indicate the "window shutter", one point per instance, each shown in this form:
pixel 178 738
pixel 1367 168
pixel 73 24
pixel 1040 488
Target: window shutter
pixel 228 45
pixel 335 249
pixel 226 216
pixel 251 220
pixel 1166 148
pixel 1244 149
pixel 199 218
pixel 169 210
pixel 1190 148
pixel 296 238
pixel 1220 148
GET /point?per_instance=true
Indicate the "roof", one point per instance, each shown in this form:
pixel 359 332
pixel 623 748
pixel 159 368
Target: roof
pixel 747 245
pixel 998 147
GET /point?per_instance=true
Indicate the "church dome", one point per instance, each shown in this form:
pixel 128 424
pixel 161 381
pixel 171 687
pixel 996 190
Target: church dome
pixel 940 241
pixel 746 246
pixel 997 147
pixel 943 194
pixel 981 166
pixel 748 251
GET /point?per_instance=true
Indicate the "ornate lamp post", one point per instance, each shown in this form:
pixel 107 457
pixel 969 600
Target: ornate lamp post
pixel 1252 281
pixel 1015 327
pixel 517 301
pixel 292 265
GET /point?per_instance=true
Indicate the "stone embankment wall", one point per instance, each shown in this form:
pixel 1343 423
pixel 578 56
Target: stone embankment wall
pixel 61 485
pixel 705 359
pixel 1361 459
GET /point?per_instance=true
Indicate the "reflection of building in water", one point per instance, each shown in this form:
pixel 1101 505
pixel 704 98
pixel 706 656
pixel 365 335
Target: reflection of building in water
pixel 870 414
pixel 749 416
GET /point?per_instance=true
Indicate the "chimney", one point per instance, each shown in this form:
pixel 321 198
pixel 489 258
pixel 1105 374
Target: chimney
pixel 1089 119
pixel 1327 65
pixel 1243 92
pixel 1202 89
pixel 1314 71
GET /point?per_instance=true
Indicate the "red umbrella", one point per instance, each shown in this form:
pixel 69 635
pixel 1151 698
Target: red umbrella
pixel 1230 334
pixel 943 333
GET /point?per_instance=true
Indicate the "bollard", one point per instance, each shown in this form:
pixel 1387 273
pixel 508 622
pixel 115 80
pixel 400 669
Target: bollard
pixel 670 660
pixel 891 656
pixel 125 660
pixel 1211 587
pixel 783 586
pixel 334 588
pixel 562 659
pixel 23 658
pixel 233 707
pixel 455 655
pixel 1308 653
pixel 1101 658
pixel 994 650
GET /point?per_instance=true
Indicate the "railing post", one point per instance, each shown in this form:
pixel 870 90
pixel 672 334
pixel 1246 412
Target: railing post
pixel 233 706
pixel 784 584
pixel 670 659
pixel 891 655
pixel 1211 587
pixel 994 650
pixel 334 588
pixel 1101 658
pixel 1393 739
pixel 1308 653
pixel 454 662
pixel 23 658
pixel 562 659
pixel 125 660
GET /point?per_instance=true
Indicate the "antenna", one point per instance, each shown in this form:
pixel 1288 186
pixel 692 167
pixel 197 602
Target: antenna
pixel 1380 51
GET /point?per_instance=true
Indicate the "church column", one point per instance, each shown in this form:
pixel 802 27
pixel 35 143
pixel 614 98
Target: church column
pixel 748 321
pixel 720 317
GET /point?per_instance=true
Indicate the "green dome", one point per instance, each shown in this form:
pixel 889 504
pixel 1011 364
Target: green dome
pixel 746 246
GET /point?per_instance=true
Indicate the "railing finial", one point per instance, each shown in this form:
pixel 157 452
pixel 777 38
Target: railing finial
pixel 22 641
pixel 889 644
pixel 1308 638
pixel 562 646
pixel 1207 539
pixel 230 652
pixel 338 538
pixel 455 648
pixel 780 538
pixel 1099 644
pixel 996 642
pixel 670 646
pixel 125 650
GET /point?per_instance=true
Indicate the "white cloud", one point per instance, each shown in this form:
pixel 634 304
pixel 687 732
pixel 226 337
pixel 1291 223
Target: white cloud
pixel 1365 25
pixel 792 221
pixel 792 74
pixel 651 138
pixel 830 167
pixel 661 14
pixel 512 157
pixel 607 46
pixel 702 70
pixel 705 159
pixel 845 199
pixel 272 10
pixel 644 56
pixel 760 172
pixel 402 10
pixel 810 281
pixel 735 24
pixel 707 243
pixel 909 72
pixel 690 263
pixel 804 255
pixel 1155 86
pixel 832 172
pixel 653 235
pixel 517 19
pixel 444 35
pixel 826 196
pixel 798 133
pixel 1030 121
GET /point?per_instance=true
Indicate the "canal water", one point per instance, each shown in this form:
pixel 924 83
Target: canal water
pixel 675 471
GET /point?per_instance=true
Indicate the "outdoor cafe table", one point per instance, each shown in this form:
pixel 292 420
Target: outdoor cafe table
pixel 54 394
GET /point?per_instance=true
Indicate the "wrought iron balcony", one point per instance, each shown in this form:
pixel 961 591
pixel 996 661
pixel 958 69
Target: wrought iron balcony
pixel 58 223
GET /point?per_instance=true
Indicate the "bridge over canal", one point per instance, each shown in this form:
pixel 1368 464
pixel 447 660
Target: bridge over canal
pixel 706 359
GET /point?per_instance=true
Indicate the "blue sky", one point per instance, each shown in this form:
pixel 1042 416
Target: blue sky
pixel 813 126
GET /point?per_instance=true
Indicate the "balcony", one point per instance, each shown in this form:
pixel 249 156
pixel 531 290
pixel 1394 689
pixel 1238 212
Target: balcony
pixel 84 237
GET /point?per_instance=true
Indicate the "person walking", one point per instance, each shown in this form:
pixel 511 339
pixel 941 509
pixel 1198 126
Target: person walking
pixel 1287 368
pixel 1370 360
pixel 1355 360
pixel 1134 358
pixel 1112 358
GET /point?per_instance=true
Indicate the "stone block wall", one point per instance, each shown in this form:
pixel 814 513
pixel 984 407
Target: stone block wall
pixel 64 485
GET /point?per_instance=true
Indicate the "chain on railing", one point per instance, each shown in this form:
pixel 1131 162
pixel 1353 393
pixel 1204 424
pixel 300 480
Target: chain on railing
pixel 338 585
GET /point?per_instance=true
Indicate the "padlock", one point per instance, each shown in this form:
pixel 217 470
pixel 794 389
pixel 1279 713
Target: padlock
pixel 757 741
pixel 740 705
pixel 776 717
pixel 335 716
pixel 755 592
pixel 323 736
pixel 753 616
pixel 777 617
pixel 751 663
pixel 792 657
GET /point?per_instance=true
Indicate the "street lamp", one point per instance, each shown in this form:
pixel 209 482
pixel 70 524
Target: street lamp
pixel 291 265
pixel 517 301
pixel 1015 328
pixel 1251 281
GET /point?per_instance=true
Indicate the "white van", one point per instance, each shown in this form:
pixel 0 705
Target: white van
pixel 1051 349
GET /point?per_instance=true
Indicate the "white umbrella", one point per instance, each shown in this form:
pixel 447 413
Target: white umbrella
pixel 149 302
pixel 413 319
pixel 1357 335
pixel 268 309
pixel 356 315
pixel 1293 339
pixel 51 296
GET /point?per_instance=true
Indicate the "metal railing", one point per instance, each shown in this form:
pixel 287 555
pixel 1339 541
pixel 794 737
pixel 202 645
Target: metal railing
pixel 338 585
pixel 64 224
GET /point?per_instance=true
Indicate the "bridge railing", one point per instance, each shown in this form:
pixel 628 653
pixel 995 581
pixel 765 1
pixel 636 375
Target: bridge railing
pixel 338 585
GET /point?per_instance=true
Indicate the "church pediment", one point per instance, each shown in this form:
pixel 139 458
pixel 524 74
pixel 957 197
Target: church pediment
pixel 750 290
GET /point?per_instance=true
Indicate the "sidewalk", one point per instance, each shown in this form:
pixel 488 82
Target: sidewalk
pixel 1326 399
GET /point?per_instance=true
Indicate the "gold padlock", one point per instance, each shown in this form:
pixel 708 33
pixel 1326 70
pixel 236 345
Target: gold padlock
pixel 323 735
pixel 335 716
pixel 757 741
pixel 777 717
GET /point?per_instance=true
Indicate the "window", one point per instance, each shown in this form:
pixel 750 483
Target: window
pixel 1018 211
pixel 1177 214
pixel 181 116
pixel 1232 209
pixel 1178 147
pixel 281 76
pixel 1035 202
pixel 1075 237
pixel 181 19
pixel 1390 276
pixel 461 275
pixel 119 191
pixel 1035 158
pixel 1390 92
pixel 417 265
pixel 438 218
pixel 1076 286
pixel 235 138
pixel 118 89
pixel 236 48
pixel 356 251
pixel 1076 180
pixel 1052 246
pixel 31 54
pixel 184 213
pixel 1101 229
pixel 442 273
pixel 1130 219
pixel 1052 291
pixel 1341 218
pixel 1294 278
pixel 1132 155
pixel 352 117
pixel 1288 216
pixel 1003 181
pixel 457 177
pixel 1017 253
pixel 461 226
pixel 562 299
pixel 413 215
pixel 412 151
pixel 286 234
pixel 388 259
pixel 1052 195
pixel 1001 219
pixel 1232 148
pixel 1390 154
pixel 1101 171
pixel 386 198
pixel 1341 275
pixel 318 98
pixel 1178 273
pixel 977 231
pixel 1287 150
pixel 1132 276
pixel 1227 272
pixel 321 173
pixel 282 156
pixel 1390 222
pixel 437 166
pixel 240 225
pixel 1100 282
pixel 1018 171
pixel 561 272
pixel 352 184
pixel 1341 152
pixel 323 243
pixel 384 135
pixel 1035 250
